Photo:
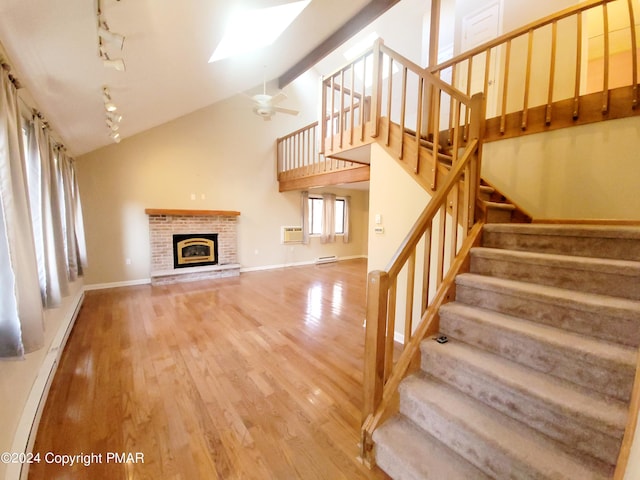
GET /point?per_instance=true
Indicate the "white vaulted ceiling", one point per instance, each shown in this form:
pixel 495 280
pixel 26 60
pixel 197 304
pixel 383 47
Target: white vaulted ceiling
pixel 52 46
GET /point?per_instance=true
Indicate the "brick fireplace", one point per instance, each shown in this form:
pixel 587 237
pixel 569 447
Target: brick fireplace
pixel 165 224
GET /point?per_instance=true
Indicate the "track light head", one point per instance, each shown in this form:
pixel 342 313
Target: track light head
pixel 112 125
pixel 110 37
pixel 114 117
pixel 116 64
pixel 115 137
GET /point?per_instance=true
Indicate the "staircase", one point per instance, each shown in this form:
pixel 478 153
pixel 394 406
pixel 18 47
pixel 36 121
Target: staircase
pixel 535 378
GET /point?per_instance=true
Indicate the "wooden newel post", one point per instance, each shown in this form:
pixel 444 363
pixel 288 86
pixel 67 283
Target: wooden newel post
pixel 476 131
pixel 377 290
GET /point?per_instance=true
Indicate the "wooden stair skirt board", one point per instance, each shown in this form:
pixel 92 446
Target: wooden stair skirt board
pixel 536 377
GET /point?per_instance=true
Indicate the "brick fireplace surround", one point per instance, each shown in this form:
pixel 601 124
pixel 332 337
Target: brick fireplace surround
pixel 164 223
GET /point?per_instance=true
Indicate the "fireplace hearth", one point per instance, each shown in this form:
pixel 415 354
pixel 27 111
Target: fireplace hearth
pixel 195 250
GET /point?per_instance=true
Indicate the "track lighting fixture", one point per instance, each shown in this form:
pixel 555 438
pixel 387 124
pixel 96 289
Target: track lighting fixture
pixel 115 137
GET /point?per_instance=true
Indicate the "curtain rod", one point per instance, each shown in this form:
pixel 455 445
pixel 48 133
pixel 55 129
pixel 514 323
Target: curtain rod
pixel 6 66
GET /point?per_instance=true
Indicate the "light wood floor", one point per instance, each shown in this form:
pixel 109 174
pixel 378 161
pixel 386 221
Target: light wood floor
pixel 252 377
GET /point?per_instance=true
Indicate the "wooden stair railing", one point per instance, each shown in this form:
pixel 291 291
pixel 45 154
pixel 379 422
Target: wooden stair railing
pixel 555 96
pixel 416 101
pixel 446 230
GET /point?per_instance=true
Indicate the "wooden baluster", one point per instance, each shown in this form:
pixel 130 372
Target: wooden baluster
pixel 411 276
pixel 457 114
pixel 605 80
pixel 467 202
pixel 436 135
pixel 363 119
pixel 376 95
pixel 391 326
pixel 552 71
pixel 527 82
pixel 351 103
pixel 314 156
pixel 634 55
pixel 416 167
pixel 403 109
pixel 505 88
pixel 426 272
pixel 389 95
pixel 333 110
pixel 442 221
pixel 341 122
pixel 323 118
pixel 296 151
pixel 453 238
pixel 451 117
pixel 465 132
pixel 487 69
pixel 375 333
pixel 576 93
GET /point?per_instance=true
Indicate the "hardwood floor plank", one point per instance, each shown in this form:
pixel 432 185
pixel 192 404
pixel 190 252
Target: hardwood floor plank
pixel 256 377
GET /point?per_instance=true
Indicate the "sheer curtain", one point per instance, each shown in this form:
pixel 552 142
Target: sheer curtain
pixel 346 237
pixel 305 217
pixel 45 214
pixel 21 315
pixel 73 228
pixel 328 234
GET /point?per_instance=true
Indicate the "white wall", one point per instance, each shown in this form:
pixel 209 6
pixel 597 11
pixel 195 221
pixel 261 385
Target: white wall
pixel 225 156
pixel 587 172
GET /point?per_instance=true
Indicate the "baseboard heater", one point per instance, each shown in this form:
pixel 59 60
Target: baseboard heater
pixel 329 259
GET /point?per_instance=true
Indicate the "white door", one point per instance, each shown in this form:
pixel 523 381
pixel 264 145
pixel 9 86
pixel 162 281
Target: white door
pixel 480 27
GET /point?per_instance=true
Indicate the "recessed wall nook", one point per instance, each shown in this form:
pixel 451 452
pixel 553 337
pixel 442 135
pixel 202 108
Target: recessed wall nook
pixel 188 245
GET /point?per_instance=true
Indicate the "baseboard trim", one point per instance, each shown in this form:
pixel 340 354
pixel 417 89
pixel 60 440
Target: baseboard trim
pixel 126 283
pixel 294 264
pixel 27 428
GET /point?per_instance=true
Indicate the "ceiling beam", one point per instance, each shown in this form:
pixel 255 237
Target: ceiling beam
pixel 364 17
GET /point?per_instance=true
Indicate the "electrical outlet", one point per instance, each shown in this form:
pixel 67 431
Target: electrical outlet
pixel 127 261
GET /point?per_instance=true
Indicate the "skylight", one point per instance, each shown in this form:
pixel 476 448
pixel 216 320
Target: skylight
pixel 249 30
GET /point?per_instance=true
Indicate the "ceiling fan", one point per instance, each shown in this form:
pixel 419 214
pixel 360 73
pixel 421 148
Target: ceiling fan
pixel 266 105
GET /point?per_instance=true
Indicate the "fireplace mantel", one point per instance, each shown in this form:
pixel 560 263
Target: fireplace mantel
pixel 191 213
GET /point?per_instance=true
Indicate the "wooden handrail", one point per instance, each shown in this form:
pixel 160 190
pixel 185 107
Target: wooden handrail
pixel 567 12
pixel 425 218
pixel 381 376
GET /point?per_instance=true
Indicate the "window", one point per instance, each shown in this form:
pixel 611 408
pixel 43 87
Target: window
pixel 339 212
pixel 316 215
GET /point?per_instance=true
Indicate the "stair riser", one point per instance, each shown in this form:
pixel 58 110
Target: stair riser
pixel 605 323
pixel 602 375
pixel 403 450
pixel 609 282
pixel 615 248
pixel 569 428
pixel 475 449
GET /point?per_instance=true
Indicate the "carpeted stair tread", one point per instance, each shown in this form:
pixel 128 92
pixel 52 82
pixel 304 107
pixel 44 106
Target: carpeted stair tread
pixel 606 367
pixel 593 275
pixel 605 241
pixel 574 416
pixel 500 446
pixel 601 316
pixel 405 451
